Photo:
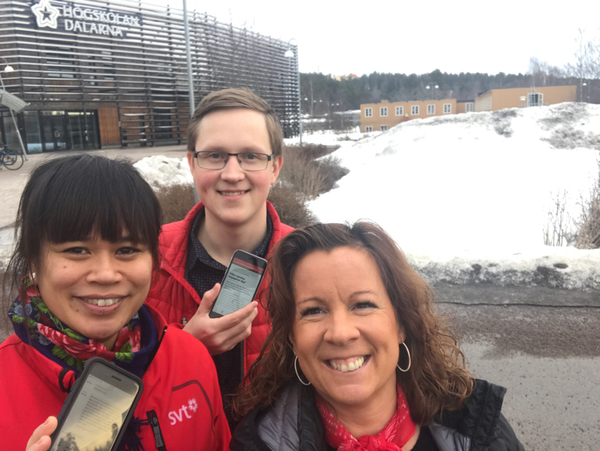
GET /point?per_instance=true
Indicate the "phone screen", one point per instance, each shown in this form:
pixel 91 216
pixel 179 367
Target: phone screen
pixel 97 414
pixel 239 287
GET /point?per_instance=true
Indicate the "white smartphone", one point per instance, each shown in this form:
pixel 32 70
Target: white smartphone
pixel 98 408
pixel 240 284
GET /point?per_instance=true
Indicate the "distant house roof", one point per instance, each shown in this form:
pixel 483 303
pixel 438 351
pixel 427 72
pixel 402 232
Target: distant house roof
pixel 345 77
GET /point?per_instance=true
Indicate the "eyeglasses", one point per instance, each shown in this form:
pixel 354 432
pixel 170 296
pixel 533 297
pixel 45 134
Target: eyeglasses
pixel 249 161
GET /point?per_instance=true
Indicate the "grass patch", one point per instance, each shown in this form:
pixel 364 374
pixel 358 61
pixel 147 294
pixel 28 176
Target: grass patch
pixel 292 210
pixel 309 170
pixel 588 236
pixel 176 202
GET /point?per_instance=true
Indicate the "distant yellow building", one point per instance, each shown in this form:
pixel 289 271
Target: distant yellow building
pixel 498 99
pixel 384 115
pixel 465 106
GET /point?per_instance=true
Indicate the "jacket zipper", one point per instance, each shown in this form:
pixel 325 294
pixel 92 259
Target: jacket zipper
pixel 158 437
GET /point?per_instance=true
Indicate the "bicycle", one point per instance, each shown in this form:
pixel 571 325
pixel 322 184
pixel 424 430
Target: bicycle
pixel 10 159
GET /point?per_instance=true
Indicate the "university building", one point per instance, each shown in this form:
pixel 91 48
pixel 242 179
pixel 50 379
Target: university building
pixel 114 73
pixel 384 115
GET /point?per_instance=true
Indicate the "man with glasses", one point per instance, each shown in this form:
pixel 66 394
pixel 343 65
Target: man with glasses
pixel 235 148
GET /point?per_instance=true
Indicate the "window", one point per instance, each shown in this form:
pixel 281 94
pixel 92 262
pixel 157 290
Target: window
pixel 368 112
pixel 383 111
pixel 535 99
pixel 447 108
pixel 368 129
pixel 414 110
pixel 383 128
pixel 430 109
pixel 399 111
pixel 468 107
pixel 59 64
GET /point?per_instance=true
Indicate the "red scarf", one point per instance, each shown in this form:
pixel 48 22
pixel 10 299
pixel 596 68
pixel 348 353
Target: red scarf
pixel 392 437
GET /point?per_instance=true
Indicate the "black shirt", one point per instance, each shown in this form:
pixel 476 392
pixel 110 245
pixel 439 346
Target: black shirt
pixel 425 441
pixel 203 272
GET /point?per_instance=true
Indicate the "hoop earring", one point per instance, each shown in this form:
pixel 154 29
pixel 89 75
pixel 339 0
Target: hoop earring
pixel 32 277
pixel 409 361
pixel 298 375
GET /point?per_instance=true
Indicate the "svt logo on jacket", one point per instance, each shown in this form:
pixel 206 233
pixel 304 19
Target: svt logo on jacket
pixel 177 416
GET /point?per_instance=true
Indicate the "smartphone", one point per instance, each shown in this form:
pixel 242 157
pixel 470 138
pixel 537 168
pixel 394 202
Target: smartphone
pixel 240 284
pixel 98 408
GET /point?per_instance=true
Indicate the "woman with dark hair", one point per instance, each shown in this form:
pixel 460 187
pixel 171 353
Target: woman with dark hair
pixel 357 359
pixel 87 246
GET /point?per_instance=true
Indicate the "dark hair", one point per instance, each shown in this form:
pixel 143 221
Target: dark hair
pixel 437 378
pixel 236 98
pixel 70 198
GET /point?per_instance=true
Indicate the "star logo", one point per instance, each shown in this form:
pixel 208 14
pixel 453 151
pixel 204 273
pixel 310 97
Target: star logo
pixel 193 405
pixel 46 14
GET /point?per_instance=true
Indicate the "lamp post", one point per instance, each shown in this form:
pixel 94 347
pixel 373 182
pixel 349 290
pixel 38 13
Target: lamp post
pixel 290 54
pixel 188 57
pixel 432 86
pixel 9 68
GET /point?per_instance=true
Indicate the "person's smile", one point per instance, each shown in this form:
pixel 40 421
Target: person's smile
pixel 347 364
pixel 233 195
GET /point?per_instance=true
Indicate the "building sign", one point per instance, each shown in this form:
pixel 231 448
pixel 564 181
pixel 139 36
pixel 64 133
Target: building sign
pixel 84 20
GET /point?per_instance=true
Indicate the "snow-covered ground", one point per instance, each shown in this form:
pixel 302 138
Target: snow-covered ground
pixel 466 196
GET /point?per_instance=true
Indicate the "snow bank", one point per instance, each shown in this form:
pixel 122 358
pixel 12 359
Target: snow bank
pixel 552 267
pixel 466 196
pixel 160 171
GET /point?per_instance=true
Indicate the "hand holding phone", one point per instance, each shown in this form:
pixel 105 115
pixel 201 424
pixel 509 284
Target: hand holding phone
pixel 240 284
pixel 40 438
pixel 220 334
pixel 98 409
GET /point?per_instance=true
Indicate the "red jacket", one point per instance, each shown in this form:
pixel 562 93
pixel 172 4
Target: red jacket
pixel 180 385
pixel 176 299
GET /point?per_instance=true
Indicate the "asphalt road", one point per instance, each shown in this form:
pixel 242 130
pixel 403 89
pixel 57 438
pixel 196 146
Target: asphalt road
pixel 544 346
pixel 13 182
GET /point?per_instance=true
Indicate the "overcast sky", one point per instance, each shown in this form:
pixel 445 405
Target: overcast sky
pixel 416 36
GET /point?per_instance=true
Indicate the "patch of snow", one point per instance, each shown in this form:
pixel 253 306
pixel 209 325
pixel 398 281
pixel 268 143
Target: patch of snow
pixel 160 171
pixel 466 196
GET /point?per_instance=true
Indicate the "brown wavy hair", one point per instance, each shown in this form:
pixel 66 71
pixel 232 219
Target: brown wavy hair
pixel 437 379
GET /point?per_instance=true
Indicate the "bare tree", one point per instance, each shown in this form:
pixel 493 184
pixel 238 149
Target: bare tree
pixel 587 61
pixel 543 74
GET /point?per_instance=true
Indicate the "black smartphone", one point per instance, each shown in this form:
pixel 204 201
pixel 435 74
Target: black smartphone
pixel 98 408
pixel 240 284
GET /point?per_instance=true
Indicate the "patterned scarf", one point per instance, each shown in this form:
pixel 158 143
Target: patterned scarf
pixel 392 437
pixel 59 343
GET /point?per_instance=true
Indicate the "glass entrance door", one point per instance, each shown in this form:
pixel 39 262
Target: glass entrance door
pixel 68 130
pixel 82 129
pixel 53 125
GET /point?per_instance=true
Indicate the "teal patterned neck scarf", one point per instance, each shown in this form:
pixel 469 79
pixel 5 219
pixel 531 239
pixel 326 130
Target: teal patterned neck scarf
pixel 36 325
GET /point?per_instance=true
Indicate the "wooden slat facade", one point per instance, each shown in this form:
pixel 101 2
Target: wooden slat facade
pixel 141 74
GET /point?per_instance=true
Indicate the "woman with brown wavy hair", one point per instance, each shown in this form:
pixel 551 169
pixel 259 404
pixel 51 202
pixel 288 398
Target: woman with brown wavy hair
pixel 357 359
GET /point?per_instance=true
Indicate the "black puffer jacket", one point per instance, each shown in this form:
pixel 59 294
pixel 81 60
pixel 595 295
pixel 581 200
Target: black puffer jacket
pixel 294 423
